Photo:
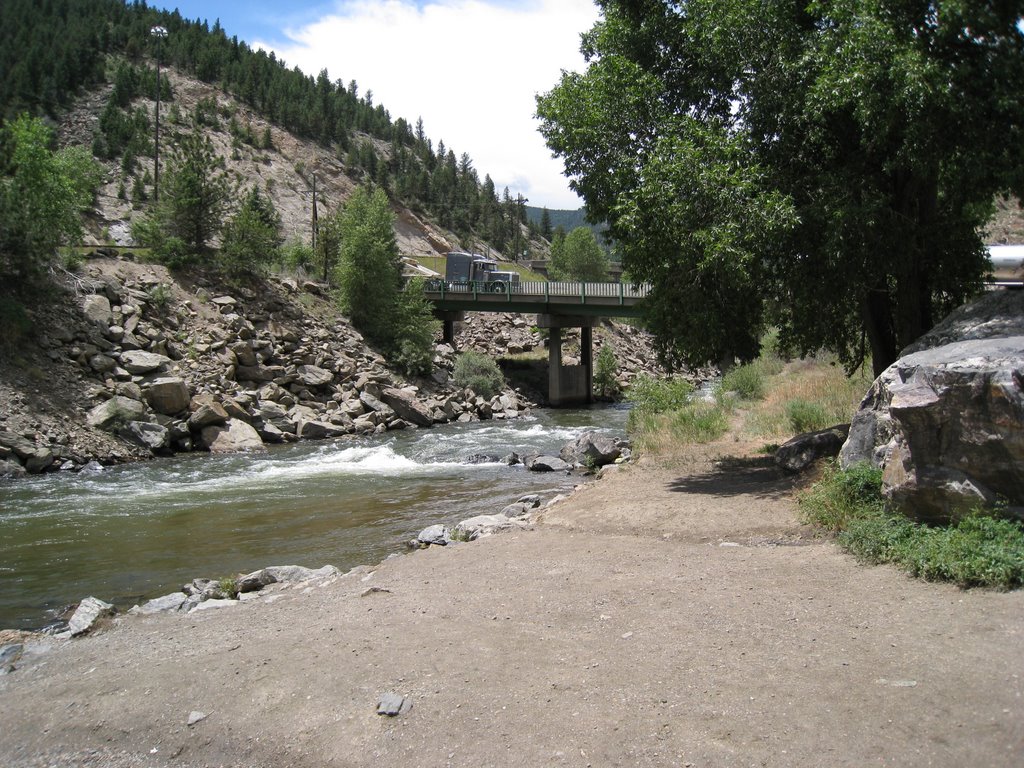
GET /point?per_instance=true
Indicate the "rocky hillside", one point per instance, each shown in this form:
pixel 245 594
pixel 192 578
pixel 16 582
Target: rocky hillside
pixel 284 171
pixel 131 362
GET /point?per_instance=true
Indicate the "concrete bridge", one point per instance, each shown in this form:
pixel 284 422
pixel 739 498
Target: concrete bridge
pixel 558 306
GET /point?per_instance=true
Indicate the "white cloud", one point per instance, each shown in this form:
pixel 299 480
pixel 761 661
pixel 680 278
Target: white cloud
pixel 469 68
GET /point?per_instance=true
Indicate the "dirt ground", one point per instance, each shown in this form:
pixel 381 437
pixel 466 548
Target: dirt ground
pixel 674 613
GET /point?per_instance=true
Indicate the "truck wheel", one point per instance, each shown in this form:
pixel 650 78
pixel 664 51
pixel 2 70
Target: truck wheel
pixel 498 287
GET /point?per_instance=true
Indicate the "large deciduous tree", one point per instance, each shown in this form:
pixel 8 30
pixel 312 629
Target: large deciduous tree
pixel 579 257
pixel 822 166
pixel 43 194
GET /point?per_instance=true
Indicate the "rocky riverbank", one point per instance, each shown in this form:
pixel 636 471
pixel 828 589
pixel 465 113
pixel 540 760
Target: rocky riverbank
pixel 132 363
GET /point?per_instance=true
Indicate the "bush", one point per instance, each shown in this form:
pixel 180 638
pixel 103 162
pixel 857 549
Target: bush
pixel 699 423
pixel 659 395
pixel 478 372
pixel 605 369
pixel 978 550
pixel 745 380
pixel 412 337
pixel 805 416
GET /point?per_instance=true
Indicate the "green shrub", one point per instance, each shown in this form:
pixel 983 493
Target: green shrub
pixel 659 395
pixel 978 550
pixel 699 423
pixel 605 369
pixel 745 380
pixel 477 371
pixel 841 496
pixel 805 416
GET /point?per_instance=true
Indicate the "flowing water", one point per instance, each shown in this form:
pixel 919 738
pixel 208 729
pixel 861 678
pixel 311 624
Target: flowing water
pixel 134 532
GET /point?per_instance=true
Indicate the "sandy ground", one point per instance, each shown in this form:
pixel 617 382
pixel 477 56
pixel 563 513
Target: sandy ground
pixel 671 614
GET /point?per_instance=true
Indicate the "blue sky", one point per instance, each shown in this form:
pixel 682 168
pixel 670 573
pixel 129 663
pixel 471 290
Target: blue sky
pixel 469 68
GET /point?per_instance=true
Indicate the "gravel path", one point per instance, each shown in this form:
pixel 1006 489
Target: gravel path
pixel 667 615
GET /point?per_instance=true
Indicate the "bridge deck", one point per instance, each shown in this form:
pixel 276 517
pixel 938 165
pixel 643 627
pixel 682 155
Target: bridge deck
pixel 601 299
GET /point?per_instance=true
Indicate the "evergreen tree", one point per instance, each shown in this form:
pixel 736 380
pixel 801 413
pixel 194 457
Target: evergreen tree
pixel 253 236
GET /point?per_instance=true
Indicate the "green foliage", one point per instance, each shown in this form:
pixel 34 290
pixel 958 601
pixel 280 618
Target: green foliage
pixel 651 395
pixel 42 197
pixel 605 368
pixel 370 280
pixel 793 163
pixel 978 550
pixel 478 372
pixel 412 342
pixel 806 416
pixel 252 237
pixel 369 268
pixel 296 255
pixel 15 324
pixel 842 496
pixel 699 422
pixel 579 257
pixel 745 380
pixel 195 192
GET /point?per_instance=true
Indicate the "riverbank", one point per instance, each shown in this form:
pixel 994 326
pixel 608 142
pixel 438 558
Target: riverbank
pixel 673 613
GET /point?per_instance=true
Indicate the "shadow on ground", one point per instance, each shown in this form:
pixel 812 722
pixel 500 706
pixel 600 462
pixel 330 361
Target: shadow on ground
pixel 752 476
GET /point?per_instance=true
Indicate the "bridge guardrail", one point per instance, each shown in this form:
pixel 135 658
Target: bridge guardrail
pixel 542 290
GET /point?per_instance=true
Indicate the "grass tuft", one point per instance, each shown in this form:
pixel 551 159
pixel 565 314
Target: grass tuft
pixel 980 550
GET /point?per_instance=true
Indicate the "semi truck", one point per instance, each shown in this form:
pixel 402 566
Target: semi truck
pixel 479 272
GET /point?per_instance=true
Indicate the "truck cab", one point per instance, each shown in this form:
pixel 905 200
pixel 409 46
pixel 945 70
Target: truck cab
pixel 472 269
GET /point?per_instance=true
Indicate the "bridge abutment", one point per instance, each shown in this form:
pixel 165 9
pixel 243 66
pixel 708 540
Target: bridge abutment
pixel 569 384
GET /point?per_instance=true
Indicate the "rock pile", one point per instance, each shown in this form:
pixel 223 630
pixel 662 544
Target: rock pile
pixel 171 371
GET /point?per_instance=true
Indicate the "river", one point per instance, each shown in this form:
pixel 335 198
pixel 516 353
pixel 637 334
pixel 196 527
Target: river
pixel 138 531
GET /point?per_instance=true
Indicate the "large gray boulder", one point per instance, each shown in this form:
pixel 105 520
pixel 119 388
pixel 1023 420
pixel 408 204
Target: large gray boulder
pixel 89 611
pixel 235 436
pixel 139 362
pixel 115 412
pixel 592 450
pixel 801 451
pixel 168 395
pixel 946 422
pixel 407 407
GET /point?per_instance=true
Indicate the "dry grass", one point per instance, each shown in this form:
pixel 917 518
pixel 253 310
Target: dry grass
pixel 816 382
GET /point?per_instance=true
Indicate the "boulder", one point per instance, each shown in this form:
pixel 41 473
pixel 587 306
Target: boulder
pixel 407 407
pixel 89 611
pixel 17 444
pixel 282 574
pixel 11 468
pixel 232 437
pixel 798 453
pixel 434 534
pixel 486 525
pixel 115 412
pixel 96 308
pixel 166 604
pixel 168 395
pixel 207 415
pixel 152 436
pixel 946 421
pixel 313 376
pixel 546 464
pixel 40 460
pixel 591 449
pixel 139 362
pixel 318 430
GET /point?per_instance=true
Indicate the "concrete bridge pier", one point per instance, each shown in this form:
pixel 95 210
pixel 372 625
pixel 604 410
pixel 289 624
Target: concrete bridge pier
pixel 569 384
pixel 448 319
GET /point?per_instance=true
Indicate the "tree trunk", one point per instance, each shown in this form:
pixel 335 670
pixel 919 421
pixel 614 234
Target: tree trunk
pixel 877 312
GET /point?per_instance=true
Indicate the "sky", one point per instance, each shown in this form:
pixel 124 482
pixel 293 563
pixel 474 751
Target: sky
pixel 470 68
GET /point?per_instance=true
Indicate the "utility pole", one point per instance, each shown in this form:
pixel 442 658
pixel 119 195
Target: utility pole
pixel 159 33
pixel 520 201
